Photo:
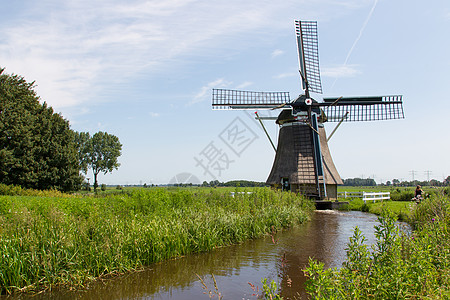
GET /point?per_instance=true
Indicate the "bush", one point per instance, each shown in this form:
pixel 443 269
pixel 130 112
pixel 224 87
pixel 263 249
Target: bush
pixel 437 207
pixel 103 187
pixel 355 204
pixel 402 195
pixel 15 190
pixel 446 190
pixel 365 207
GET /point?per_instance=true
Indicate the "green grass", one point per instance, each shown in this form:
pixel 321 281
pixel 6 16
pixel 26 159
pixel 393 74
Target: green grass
pixel 50 241
pixel 342 188
pixel 402 209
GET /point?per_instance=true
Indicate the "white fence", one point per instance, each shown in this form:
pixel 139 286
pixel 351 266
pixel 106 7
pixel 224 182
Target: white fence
pixel 350 195
pixel 366 195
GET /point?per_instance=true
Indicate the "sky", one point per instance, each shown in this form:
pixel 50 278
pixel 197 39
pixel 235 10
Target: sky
pixel 144 71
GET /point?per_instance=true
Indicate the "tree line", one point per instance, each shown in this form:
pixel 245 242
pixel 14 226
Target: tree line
pixel 39 150
pixel 432 182
pixel 359 182
pixel 395 182
pixel 233 183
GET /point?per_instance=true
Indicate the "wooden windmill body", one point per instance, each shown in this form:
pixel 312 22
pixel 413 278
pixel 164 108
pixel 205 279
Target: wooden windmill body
pixel 303 161
pixel 294 168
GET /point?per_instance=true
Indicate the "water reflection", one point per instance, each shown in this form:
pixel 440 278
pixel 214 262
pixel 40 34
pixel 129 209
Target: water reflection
pixel 324 238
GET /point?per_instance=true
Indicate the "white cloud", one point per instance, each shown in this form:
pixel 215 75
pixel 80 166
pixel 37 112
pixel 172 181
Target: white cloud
pixel 154 114
pixel 244 85
pixel 340 71
pixel 78 49
pixel 72 47
pixel 277 52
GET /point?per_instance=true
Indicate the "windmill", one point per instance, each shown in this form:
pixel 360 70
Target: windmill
pixel 303 161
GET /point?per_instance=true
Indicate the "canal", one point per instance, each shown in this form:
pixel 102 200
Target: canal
pixel 280 257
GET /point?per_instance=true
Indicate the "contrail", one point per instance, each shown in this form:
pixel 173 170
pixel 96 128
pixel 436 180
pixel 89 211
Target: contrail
pixel 358 37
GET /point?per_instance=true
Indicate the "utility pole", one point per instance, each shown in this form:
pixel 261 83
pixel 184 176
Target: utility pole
pixel 413 173
pixel 428 175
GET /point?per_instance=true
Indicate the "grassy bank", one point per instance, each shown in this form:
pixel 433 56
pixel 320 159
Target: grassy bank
pixel 400 203
pixel 47 241
pixel 397 266
pixel 401 209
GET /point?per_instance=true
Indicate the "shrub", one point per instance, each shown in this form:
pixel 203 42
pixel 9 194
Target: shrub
pixel 437 207
pixel 365 207
pixel 15 190
pixel 402 195
pixel 355 203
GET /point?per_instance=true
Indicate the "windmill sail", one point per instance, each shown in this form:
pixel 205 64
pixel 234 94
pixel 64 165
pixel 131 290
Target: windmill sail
pixel 233 99
pixel 308 55
pixel 363 108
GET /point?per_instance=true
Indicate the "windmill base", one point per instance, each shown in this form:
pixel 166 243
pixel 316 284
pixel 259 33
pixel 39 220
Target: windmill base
pixel 326 205
pixel 310 190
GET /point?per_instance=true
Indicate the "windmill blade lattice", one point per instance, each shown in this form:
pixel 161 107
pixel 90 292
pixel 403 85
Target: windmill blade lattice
pixel 234 99
pixel 308 54
pixel 363 108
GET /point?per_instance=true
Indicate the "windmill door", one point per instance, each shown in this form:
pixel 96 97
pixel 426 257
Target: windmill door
pixel 285 185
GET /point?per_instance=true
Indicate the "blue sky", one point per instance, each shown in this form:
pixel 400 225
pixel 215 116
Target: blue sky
pixel 144 70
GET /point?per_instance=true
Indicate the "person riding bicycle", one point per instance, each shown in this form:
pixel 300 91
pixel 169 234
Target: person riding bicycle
pixel 418 193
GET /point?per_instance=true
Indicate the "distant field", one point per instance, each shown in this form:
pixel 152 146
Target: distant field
pixel 380 188
pixel 127 189
pixel 370 188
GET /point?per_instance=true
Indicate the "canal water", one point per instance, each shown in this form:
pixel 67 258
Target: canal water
pixel 280 257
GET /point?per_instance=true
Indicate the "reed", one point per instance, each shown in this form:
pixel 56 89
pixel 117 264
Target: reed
pixel 68 241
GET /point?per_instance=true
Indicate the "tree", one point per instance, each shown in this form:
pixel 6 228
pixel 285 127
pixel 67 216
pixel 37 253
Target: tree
pixel 434 182
pixel 99 153
pixel 446 181
pixel 82 140
pixel 37 147
pixel 359 182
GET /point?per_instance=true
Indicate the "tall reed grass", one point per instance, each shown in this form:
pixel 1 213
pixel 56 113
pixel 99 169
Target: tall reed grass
pixel 50 241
